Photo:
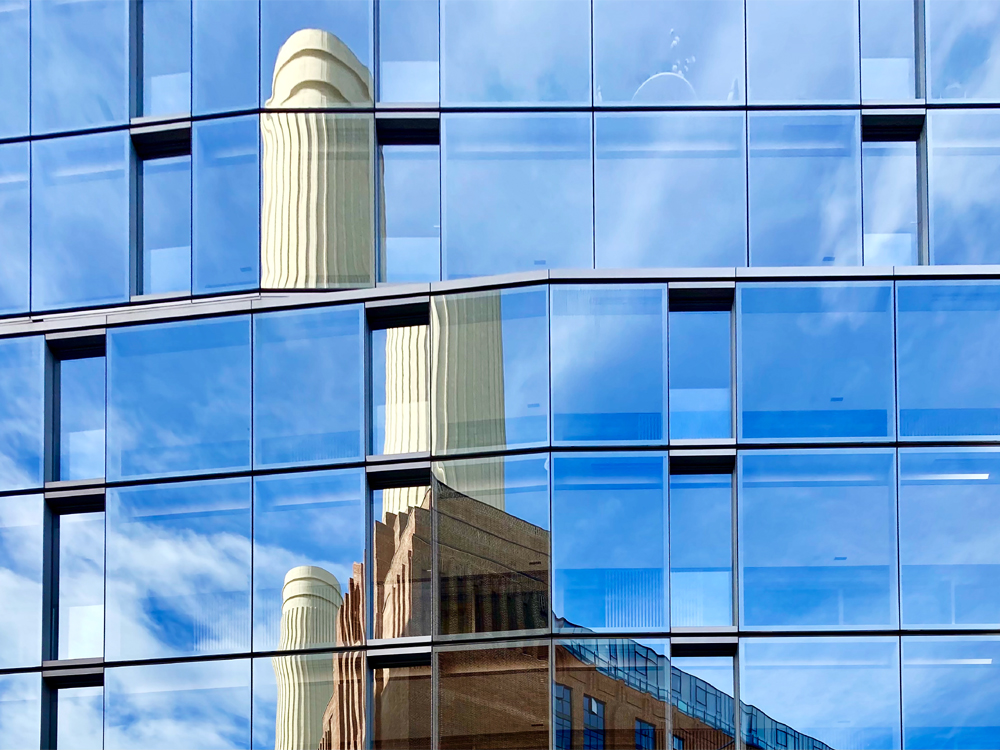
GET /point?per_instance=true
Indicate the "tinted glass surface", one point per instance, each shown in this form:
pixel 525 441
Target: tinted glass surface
pixel 308 386
pixel 166 57
pixel 609 364
pixel 408 51
pixel 80 718
pixel 400 391
pixel 22 412
pixel 517 190
pixel 178 570
pixel 702 689
pixel 609 545
pixel 817 539
pixel 410 243
pixel 279 723
pixel 962 39
pixel 402 708
pixel 21 581
pixel 82 407
pixel 888 50
pixel 179 398
pixel 166 225
pixel 14 68
pixel 805 186
pixel 701 393
pixel 224 49
pixel 815 361
pixel 80 219
pixel 670 187
pixel 15 224
pixel 890 202
pixel 20 710
pixel 81 586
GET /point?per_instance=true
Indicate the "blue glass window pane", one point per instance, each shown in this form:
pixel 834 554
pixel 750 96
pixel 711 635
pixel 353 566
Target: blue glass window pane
pixel 79 64
pixel 411 199
pixel 517 193
pixel 702 688
pixel 309 533
pixel 80 220
pixel 225 45
pixel 226 192
pixel 309 386
pixel 162 706
pixel 277 722
pixel 609 364
pixel 408 51
pixel 815 361
pixel 82 407
pixel 820 692
pixel 20 711
pixel 676 52
pixel 166 225
pixel 14 73
pixel 166 57
pixel 890 203
pixel 21 581
pixel 179 398
pixel 888 50
pixel 962 45
pixel 818 539
pixel 964 165
pixel 609 542
pixel 178 569
pixel 400 393
pixel 670 189
pixel 805 188
pixel 22 412
pixel 701 550
pixel 80 718
pixel 701 393
pixel 81 586
pixel 15 225
pixel 495 51
pixel 947 376
pixel 506 334
pixel 951 697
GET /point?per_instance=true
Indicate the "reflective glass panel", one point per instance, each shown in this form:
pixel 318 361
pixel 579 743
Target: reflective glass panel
pixel 80 219
pixel 951 692
pixel 805 186
pixel 963 41
pixel 224 49
pixel 197 705
pixel 609 364
pixel 178 569
pixel 702 694
pixel 166 225
pixel 947 375
pixel 517 189
pixel 179 398
pixel 400 393
pixel 890 202
pixel 408 50
pixel 14 62
pixel 20 711
pixel 701 549
pixel 515 53
pixel 888 50
pixel 309 386
pixel 493 544
pixel 410 229
pixel 82 407
pixel 226 200
pixel 15 221
pixel 166 57
pixel 701 374
pixel 815 361
pixel 670 187
pixel 80 718
pixel 802 51
pixel 81 586
pixel 402 708
pixel 20 582
pixel 309 552
pixel 510 685
pixel 489 370
pixel 820 692
pixel 964 165
pixel 22 412
pixel 609 542
pixel 79 64
pixel 817 539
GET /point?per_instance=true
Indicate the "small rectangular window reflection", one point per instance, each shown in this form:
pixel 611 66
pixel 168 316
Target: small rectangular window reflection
pixel 402 708
pixel 410 230
pixel 889 193
pixel 166 56
pixel 165 265
pixel 82 407
pixel 81 586
pixel 400 390
pixel 80 718
pixel 701 389
pixel 408 51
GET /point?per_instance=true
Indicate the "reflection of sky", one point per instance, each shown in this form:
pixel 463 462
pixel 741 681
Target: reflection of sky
pixel 20 710
pixel 524 320
pixel 21 581
pixel 890 204
pixel 15 225
pixel 22 412
pixel 80 718
pixel 701 374
pixel 82 407
pixel 14 61
pixel 166 57
pixel 224 46
pixel 81 585
pixel 963 50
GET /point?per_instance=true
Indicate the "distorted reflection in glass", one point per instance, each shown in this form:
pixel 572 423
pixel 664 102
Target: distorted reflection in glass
pixel 802 51
pixel 401 562
pixel 15 60
pixel 493 697
pixel 80 718
pixel 890 202
pixel 949 546
pixel 402 707
pixel 701 549
pixel 493 544
pixel 408 51
pixel 964 165
pixel 497 52
pixel 309 552
pixel 490 370
pixel 816 361
pixel 410 229
pixel 400 392
pixel 951 692
pixel 701 374
pixel 22 412
pixel 21 581
pixel 166 57
pixel 15 223
pixel 166 225
pixel 947 376
pixel 197 705
pixel 805 186
pixel 609 542
pixel 670 187
pixel 178 570
pixel 80 219
pixel 309 386
pixel 609 364
pixel 818 539
pixel 517 189
pixel 79 64
pixel 820 693
pixel 20 710
pixel 888 50
pixel 225 44
pixel 962 49
pixel 702 694
pixel 81 586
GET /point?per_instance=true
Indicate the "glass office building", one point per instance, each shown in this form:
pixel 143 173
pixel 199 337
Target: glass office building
pixel 486 374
